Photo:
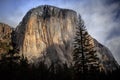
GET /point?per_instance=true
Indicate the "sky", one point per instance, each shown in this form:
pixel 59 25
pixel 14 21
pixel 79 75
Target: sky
pixel 101 17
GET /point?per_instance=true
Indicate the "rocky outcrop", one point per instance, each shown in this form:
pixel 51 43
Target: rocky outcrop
pixel 47 33
pixel 5 38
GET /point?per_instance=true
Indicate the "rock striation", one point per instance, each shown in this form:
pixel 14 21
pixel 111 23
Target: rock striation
pixel 47 31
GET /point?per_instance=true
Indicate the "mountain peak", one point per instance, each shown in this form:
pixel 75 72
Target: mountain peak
pixel 47 11
pixel 43 27
pixel 47 33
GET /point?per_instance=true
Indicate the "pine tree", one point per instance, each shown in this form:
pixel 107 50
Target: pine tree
pixel 84 53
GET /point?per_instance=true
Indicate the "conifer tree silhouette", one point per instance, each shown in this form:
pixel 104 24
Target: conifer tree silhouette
pixel 84 53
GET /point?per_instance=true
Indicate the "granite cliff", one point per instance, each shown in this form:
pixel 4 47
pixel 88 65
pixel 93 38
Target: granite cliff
pixel 47 33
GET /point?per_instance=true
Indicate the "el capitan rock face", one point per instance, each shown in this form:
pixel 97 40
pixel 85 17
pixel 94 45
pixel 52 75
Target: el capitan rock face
pixel 47 33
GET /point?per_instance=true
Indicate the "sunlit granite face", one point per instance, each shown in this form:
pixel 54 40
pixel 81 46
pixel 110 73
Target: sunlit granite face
pixel 47 30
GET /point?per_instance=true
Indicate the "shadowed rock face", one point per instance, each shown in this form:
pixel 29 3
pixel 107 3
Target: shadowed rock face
pixel 47 32
pixel 5 38
pixel 106 58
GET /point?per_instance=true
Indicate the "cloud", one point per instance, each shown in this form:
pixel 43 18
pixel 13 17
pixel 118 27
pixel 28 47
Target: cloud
pixel 98 18
pixel 102 20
